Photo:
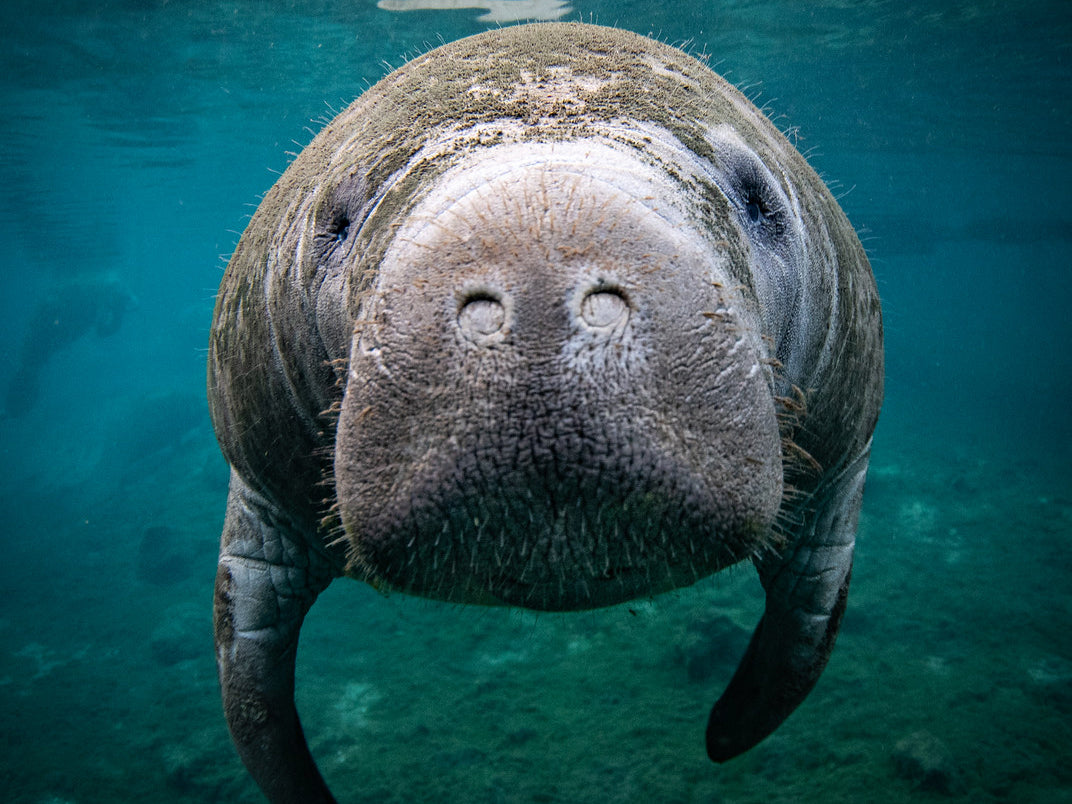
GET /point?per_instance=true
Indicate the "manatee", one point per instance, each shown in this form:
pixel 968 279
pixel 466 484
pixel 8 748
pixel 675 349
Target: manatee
pixel 550 317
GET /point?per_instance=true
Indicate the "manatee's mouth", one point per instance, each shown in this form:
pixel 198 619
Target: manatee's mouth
pixel 551 540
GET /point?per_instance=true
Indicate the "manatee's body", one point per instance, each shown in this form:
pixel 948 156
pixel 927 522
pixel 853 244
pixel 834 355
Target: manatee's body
pixel 550 317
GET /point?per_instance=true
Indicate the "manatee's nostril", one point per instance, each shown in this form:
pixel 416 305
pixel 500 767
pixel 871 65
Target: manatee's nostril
pixel 481 316
pixel 604 308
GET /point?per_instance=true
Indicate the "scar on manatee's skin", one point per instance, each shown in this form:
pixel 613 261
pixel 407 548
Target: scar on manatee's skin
pixel 550 317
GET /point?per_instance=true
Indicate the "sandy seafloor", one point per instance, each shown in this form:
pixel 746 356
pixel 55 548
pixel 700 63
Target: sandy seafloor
pixel 140 132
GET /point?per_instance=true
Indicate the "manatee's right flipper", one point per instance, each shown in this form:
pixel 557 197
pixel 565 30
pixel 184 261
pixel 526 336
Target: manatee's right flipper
pixel 807 587
pixel 266 581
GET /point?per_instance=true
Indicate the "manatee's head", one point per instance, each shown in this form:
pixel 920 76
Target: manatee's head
pixel 573 285
pixel 563 268
pixel 557 397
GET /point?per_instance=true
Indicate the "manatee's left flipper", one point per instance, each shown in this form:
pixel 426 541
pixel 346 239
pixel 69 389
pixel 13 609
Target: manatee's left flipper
pixel 265 583
pixel 807 587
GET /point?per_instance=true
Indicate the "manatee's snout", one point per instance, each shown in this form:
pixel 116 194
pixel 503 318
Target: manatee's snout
pixel 555 398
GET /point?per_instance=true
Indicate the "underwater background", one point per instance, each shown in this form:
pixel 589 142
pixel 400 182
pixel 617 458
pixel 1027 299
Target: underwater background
pixel 138 136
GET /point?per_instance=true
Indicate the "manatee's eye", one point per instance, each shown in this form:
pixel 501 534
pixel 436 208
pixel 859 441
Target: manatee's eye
pixel 754 207
pixel 333 230
pixel 341 212
pixel 760 199
pixel 340 227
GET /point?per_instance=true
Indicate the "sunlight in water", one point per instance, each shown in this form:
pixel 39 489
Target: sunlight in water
pixel 498 10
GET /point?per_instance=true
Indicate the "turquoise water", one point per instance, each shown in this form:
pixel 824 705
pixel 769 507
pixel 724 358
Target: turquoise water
pixel 138 137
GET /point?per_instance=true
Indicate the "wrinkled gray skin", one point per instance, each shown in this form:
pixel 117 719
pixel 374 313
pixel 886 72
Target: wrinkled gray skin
pixel 550 317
